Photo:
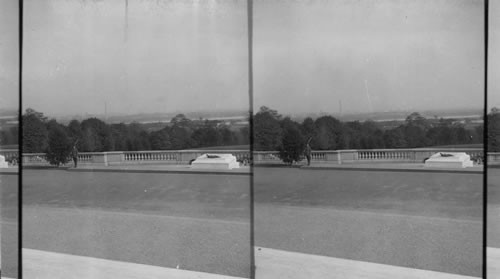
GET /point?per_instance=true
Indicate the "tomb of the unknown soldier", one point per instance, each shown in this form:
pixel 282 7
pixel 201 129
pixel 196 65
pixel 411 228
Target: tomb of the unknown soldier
pixel 215 161
pixel 449 160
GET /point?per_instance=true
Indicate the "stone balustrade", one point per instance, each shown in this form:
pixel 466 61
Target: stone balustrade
pixel 417 155
pixel 9 154
pixel 135 157
pixel 494 158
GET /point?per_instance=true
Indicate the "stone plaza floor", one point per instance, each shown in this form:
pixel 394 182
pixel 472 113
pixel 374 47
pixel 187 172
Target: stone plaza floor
pixel 493 223
pixel 422 224
pixel 420 220
pixel 198 223
pixel 9 222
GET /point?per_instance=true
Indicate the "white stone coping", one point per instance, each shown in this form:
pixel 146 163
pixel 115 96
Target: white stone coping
pixel 49 265
pixel 279 264
pixel 493 262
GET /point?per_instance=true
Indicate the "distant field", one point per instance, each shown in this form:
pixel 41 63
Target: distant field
pixel 228 147
pixel 474 145
pixel 11 146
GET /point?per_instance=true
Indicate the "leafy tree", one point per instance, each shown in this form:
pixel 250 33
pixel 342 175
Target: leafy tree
pixel 267 129
pixel 494 130
pixel 244 135
pixel 160 140
pixel 137 138
pixel 207 135
pixel 352 131
pixel 96 136
pixel 120 134
pixel 328 133
pixel 180 137
pixel 478 134
pixel 415 119
pixel 292 144
pixel 414 136
pixel 75 132
pixel 34 131
pixel 227 136
pixel 394 138
pixel 59 145
pixel 10 136
pixel 308 128
pixel 181 120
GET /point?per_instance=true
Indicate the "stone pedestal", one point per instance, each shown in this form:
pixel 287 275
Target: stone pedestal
pixel 449 160
pixel 215 161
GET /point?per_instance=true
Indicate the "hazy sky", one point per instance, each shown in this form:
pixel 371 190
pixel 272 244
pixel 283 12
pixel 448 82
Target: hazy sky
pixel 184 55
pixel 494 55
pixel 170 55
pixel 372 55
pixel 9 54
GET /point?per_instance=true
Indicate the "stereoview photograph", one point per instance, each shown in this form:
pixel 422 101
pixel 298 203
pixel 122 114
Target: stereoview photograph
pixel 136 139
pixel 368 137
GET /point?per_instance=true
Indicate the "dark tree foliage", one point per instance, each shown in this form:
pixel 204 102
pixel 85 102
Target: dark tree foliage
pixel 307 127
pixel 180 120
pixel 137 138
pixel 271 132
pixel 59 144
pixel 267 129
pixel 9 136
pixel 120 135
pixel 34 131
pixel 160 140
pixel 208 135
pixel 243 137
pixel 292 143
pixel 394 138
pixel 75 132
pixel 328 134
pixel 180 137
pixel 96 136
pixel 494 130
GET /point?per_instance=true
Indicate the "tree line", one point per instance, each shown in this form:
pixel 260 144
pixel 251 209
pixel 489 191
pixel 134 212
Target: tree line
pixel 41 135
pixel 272 131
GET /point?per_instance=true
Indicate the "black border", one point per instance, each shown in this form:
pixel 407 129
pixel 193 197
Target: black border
pixel 251 132
pixel 485 143
pixel 20 148
pixel 20 141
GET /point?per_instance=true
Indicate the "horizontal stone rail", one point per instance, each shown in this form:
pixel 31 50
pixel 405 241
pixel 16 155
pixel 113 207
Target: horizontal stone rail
pixel 134 157
pixel 266 156
pixel 494 158
pixel 417 155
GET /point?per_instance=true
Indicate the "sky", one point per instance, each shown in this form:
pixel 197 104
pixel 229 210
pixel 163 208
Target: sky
pixel 9 55
pixel 82 56
pixel 494 55
pixel 368 55
pixel 191 55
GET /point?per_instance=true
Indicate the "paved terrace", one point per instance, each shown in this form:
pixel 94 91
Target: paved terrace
pixel 418 220
pixel 493 236
pixel 8 220
pixel 392 220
